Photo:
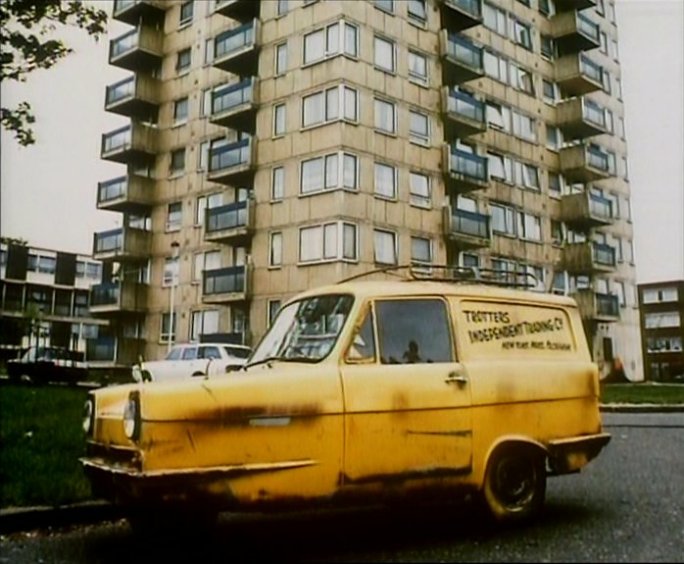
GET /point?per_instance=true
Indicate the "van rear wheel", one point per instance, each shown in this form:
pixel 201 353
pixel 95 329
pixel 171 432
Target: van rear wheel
pixel 515 484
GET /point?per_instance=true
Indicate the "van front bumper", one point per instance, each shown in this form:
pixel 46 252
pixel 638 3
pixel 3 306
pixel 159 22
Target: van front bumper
pixel 571 455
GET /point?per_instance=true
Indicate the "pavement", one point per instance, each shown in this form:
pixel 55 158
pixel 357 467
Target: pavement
pixel 16 519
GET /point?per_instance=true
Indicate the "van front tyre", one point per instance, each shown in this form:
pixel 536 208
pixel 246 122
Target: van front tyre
pixel 515 484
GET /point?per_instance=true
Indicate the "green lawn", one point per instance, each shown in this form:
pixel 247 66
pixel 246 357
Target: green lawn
pixel 41 440
pixel 650 392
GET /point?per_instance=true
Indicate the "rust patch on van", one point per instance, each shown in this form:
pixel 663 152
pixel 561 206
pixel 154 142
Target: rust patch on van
pixel 239 414
pixel 400 403
pixel 400 477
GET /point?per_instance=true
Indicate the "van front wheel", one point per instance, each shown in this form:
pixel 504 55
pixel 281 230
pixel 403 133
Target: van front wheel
pixel 515 484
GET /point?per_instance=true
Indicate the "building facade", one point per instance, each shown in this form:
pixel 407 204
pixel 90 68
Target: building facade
pixel 285 144
pixel 662 330
pixel 44 299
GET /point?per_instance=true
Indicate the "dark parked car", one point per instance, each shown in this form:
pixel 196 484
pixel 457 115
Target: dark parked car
pixel 48 364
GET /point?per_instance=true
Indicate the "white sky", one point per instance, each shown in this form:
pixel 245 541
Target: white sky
pixel 48 190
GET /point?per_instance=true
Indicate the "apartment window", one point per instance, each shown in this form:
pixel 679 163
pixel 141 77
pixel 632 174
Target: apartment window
pixel 557 236
pixel 278 184
pixel 495 67
pixel 605 81
pixel 203 155
pixel 273 309
pixel 385 116
pixel 416 11
pixel 419 127
pixel 385 245
pixel 331 241
pixel 177 161
pixel 529 227
pixel 524 126
pixel 204 203
pixel 385 5
pixel 555 187
pixel 498 116
pixel 183 60
pixel 522 34
pixel 209 260
pixel 521 79
pixel 205 102
pixel 329 105
pixel 283 7
pixel 547 8
pixel 553 138
pixel 275 254
pixel 281 59
pixel 278 119
pixel 209 51
pixel 335 39
pixel 419 186
pixel 170 275
pixel 533 278
pixel 186 11
pixel 503 220
pixel 180 111
pixel 494 18
pixel 468 260
pixel 665 319
pixel 550 92
pixel 204 323
pixel 385 54
pixel 548 48
pixel 336 170
pixel 385 181
pixel 652 295
pixel 174 217
pixel 166 331
pixel 500 167
pixel 418 69
pixel 421 251
pixel 527 176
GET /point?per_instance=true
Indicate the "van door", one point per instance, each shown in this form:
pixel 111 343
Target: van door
pixel 407 399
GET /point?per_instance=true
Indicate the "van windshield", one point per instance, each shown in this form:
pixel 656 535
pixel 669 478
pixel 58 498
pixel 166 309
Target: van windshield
pixel 305 330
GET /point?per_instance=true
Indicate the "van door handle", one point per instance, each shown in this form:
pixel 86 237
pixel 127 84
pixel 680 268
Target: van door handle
pixel 456 378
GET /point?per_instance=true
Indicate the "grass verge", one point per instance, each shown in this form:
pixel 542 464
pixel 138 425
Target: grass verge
pixel 646 392
pixel 41 441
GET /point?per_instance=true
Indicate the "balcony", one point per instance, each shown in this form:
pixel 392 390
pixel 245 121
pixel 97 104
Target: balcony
pixel 232 164
pixel 578 74
pixel 134 97
pixel 225 285
pixel 240 10
pixel 127 194
pixel 574 32
pixel 118 297
pixel 138 49
pixel 132 144
pixel 565 5
pixel 107 351
pixel 458 15
pixel 236 50
pixel 594 306
pixel 468 230
pixel 588 257
pixel 133 11
pixel 461 60
pixel 234 106
pixel 585 162
pixel 232 223
pixel 464 115
pixel 581 117
pixel 464 171
pixel 122 244
pixel 585 210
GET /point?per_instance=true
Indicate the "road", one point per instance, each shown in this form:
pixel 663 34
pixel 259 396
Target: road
pixel 626 506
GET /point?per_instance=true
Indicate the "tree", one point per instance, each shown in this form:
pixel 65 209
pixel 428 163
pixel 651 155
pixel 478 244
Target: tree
pixel 25 27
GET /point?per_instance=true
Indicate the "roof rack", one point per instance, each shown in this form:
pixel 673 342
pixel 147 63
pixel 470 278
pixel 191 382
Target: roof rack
pixel 454 274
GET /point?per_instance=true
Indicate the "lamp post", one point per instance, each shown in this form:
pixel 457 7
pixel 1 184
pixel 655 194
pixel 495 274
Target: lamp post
pixel 175 247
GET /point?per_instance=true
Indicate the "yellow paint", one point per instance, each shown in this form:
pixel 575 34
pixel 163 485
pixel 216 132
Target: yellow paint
pixel 297 431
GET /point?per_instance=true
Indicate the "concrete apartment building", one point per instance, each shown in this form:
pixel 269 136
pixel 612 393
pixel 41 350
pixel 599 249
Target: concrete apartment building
pixel 44 298
pixel 276 145
pixel 662 330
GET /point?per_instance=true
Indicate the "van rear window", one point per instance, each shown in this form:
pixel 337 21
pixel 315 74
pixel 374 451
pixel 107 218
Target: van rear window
pixel 501 328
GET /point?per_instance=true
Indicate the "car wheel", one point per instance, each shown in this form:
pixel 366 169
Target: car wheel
pixel 197 374
pixel 515 484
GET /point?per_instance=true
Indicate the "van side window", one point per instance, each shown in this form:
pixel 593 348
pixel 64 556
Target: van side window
pixel 190 353
pixel 209 352
pixel 363 343
pixel 413 331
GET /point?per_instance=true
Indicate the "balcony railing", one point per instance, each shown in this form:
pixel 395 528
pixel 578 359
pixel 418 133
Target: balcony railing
pixel 240 10
pixel 133 11
pixel 122 244
pixel 125 194
pixel 565 5
pixel 466 171
pixel 581 117
pixel 225 284
pixel 115 297
pixel 578 74
pixel 458 15
pixel 231 163
pixel 122 351
pixel 588 257
pixel 136 96
pixel 235 50
pixel 138 49
pixel 234 106
pixel 585 210
pixel 461 59
pixel 467 229
pixel 597 306
pixel 607 305
pixel 129 144
pixel 465 114
pixel 603 254
pixel 585 162
pixel 574 32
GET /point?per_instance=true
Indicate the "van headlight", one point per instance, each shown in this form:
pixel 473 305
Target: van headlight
pixel 88 415
pixel 131 416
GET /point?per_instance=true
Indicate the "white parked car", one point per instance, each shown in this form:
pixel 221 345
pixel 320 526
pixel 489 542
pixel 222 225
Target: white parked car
pixel 193 359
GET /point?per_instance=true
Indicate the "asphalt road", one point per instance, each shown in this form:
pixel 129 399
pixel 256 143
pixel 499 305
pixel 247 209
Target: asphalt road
pixel 626 506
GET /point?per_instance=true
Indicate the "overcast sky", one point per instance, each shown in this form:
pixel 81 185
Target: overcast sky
pixel 48 190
